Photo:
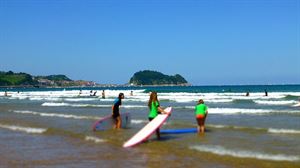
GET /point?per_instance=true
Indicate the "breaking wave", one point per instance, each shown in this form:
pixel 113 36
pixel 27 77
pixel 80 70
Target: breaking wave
pixel 24 129
pixel 219 150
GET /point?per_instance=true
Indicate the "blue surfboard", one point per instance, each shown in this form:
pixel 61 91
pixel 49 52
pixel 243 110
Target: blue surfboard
pixel 179 131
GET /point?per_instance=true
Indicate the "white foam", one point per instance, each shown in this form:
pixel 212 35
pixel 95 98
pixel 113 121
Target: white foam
pixel 24 129
pixel 283 131
pixel 296 105
pixel 220 100
pixel 56 115
pixel 81 99
pixel 219 150
pixel 51 104
pixel 133 106
pixel 138 121
pixel 217 126
pixel 237 110
pixel 94 139
pixel 275 102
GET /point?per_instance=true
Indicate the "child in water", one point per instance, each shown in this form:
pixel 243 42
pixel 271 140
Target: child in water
pixel 201 113
pixel 154 109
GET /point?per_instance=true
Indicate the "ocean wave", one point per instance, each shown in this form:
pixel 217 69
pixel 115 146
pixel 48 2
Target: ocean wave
pixel 285 102
pixel 283 131
pixel 80 99
pixel 133 106
pixel 24 129
pixel 51 104
pixel 94 139
pixel 237 110
pixel 56 115
pixel 291 97
pixel 138 121
pixel 269 130
pixel 219 150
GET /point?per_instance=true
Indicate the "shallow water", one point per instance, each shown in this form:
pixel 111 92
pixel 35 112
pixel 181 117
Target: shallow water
pixel 52 128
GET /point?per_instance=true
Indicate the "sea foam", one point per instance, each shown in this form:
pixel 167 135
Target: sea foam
pixel 56 115
pixel 219 150
pixel 24 129
pixel 283 131
pixel 94 139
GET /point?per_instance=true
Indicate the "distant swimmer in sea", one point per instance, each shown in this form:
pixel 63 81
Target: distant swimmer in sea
pixel 131 93
pixel 5 93
pixel 201 114
pixel 154 109
pixel 95 93
pixel 91 93
pixel 103 94
pixel 266 93
pixel 116 110
pixel 247 94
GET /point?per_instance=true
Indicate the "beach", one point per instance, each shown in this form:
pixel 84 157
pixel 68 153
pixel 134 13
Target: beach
pixel 52 127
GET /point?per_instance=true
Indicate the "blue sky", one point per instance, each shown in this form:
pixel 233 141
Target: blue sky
pixel 209 42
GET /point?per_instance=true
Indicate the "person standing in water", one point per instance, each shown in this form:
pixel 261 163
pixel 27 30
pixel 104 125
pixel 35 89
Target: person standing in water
pixel 103 94
pixel 116 110
pixel 266 93
pixel 154 109
pixel 201 114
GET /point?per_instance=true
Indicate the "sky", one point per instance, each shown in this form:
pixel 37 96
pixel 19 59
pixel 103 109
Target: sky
pixel 208 42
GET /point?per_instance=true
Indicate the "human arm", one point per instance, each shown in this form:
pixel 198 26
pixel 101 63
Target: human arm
pixel 162 111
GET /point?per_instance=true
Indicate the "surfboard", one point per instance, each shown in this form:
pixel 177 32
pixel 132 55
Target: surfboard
pixel 148 129
pixel 107 122
pixel 179 131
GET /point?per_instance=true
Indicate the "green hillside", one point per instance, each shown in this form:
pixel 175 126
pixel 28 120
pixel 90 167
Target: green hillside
pixel 148 77
pixel 12 79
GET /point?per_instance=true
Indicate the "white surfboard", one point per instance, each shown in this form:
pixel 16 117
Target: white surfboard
pixel 108 122
pixel 149 129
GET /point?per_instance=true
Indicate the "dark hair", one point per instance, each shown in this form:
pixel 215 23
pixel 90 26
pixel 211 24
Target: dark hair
pixel 200 101
pixel 120 95
pixel 153 98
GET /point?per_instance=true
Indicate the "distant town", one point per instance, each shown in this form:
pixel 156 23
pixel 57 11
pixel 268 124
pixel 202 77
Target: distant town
pixel 11 79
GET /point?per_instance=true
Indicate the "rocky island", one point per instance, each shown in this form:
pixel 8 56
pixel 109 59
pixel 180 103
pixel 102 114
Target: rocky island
pixel 148 77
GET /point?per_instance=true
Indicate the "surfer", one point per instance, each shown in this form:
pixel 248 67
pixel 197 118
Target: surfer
pixel 201 113
pixel 247 94
pixel 155 109
pixel 103 94
pixel 266 93
pixel 116 112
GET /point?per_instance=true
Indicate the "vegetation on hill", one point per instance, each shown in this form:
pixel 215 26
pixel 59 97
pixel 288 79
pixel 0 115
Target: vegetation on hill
pixel 148 77
pixel 11 79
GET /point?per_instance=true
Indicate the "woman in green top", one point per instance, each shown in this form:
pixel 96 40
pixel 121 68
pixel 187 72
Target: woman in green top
pixel 201 113
pixel 154 109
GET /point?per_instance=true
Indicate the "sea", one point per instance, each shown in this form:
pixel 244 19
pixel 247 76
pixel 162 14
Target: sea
pixel 52 127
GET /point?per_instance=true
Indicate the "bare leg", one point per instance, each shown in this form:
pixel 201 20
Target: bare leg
pixel 157 133
pixel 118 122
pixel 200 127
